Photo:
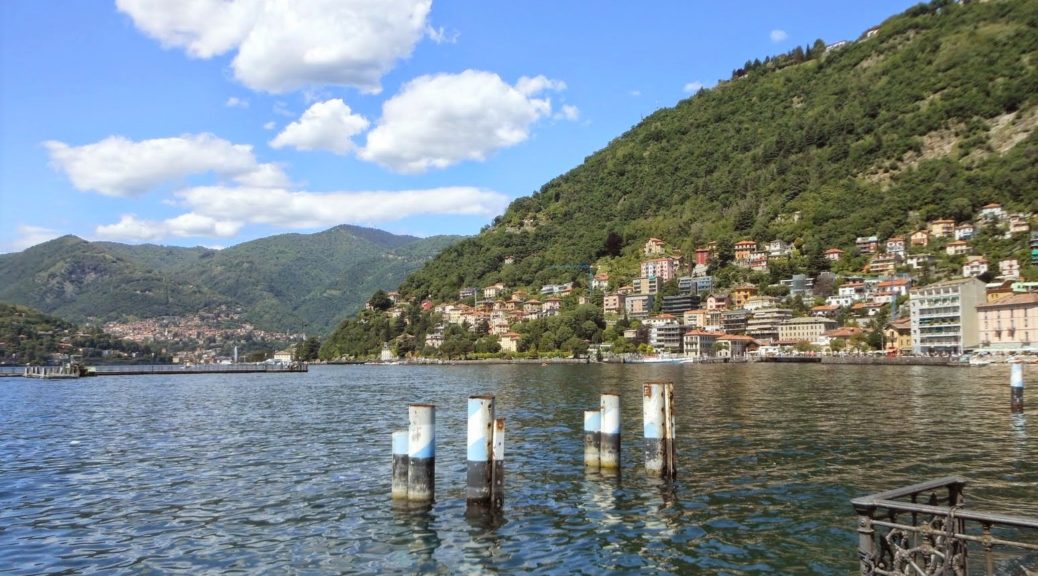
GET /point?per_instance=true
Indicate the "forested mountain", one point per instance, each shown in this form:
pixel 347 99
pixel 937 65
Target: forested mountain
pixel 931 114
pixel 284 282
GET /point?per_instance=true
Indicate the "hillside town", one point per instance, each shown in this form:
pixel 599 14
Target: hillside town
pixel 899 302
pixel 206 337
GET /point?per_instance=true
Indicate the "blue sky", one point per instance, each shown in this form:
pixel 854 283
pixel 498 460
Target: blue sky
pixel 212 122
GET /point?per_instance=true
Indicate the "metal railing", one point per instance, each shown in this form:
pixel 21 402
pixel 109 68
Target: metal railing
pixel 899 537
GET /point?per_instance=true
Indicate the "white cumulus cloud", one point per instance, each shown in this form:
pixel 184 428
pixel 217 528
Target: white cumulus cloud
pixel 118 166
pixel 568 112
pixel 441 120
pixel 778 35
pixel 328 125
pixel 301 209
pixel 29 236
pixel 286 45
pixel 693 87
pixel 235 102
pixel 130 228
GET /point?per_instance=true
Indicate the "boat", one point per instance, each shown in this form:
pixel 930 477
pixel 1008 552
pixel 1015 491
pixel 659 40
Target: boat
pixel 979 361
pixel 657 360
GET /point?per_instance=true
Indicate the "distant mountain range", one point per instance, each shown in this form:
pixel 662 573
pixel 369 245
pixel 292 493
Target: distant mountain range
pixel 286 282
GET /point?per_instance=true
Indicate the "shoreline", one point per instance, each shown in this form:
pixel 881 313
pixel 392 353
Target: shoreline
pixel 825 360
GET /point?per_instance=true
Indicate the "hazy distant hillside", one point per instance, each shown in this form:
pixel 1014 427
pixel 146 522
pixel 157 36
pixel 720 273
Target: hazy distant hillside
pixel 288 282
pixel 932 115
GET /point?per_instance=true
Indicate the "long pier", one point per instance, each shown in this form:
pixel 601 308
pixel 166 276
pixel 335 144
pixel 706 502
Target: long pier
pixel 170 369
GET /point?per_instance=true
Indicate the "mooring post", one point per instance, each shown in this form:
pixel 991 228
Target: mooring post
pixel 669 434
pixel 480 451
pixel 421 453
pixel 592 438
pixel 653 415
pixel 399 488
pixel 609 454
pixel 1016 387
pixel 658 424
pixel 497 496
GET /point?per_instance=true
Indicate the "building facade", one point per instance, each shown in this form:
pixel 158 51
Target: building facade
pixel 944 316
pixel 1010 324
pixel 806 329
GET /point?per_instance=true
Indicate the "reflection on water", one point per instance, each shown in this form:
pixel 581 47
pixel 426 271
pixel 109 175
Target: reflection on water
pixel 291 472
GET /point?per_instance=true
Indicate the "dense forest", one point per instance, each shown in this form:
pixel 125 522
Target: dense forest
pixel 930 115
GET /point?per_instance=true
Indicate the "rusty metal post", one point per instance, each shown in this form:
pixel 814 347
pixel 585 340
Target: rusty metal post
pixel 497 490
pixel 668 429
pixel 609 457
pixel 1016 387
pixel 480 451
pixel 399 487
pixel 592 438
pixel 421 453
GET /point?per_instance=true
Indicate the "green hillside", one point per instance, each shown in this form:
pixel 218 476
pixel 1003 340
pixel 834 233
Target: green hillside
pixel 284 282
pixel 933 115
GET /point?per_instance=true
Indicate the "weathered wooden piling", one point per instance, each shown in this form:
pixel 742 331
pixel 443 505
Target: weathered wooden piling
pixel 480 451
pixel 497 495
pixel 1016 387
pixel 658 426
pixel 421 453
pixel 592 438
pixel 609 450
pixel 399 488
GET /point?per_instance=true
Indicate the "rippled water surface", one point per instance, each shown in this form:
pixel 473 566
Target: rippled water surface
pixel 290 472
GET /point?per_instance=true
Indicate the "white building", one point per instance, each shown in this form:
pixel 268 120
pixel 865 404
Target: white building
pixel 944 316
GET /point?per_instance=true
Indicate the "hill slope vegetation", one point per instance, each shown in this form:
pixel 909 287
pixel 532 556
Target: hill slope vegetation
pixel 284 282
pixel 932 114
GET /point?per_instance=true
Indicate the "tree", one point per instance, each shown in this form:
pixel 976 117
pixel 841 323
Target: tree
pixel 308 349
pixel 380 301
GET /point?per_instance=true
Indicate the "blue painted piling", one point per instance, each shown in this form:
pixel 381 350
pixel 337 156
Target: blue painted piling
pixel 1016 387
pixel 609 455
pixel 400 465
pixel 421 453
pixel 480 451
pixel 592 438
pixel 658 427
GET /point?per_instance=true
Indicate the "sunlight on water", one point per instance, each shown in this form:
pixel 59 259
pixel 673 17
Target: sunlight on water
pixel 248 473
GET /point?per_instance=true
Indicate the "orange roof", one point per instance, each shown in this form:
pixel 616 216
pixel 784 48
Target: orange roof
pixel 738 337
pixel 896 282
pixel 834 251
pixel 844 332
pixel 1014 300
pixel 992 205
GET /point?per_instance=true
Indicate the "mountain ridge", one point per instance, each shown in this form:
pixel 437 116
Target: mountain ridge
pixel 287 281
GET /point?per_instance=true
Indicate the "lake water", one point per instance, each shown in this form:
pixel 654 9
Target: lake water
pixel 290 473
